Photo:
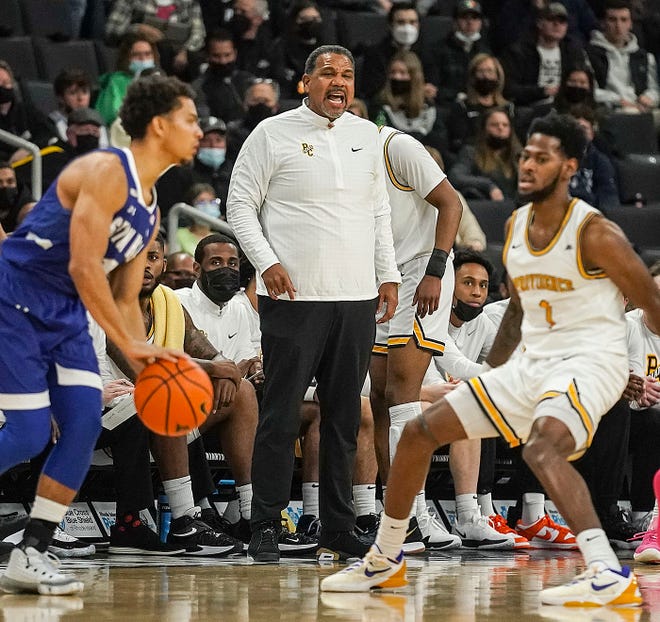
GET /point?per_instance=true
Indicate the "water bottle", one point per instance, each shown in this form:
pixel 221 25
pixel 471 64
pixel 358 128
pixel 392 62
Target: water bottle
pixel 164 516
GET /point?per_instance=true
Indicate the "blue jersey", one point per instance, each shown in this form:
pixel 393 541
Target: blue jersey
pixel 39 248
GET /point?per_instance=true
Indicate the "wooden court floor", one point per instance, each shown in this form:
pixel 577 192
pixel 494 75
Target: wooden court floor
pixel 459 587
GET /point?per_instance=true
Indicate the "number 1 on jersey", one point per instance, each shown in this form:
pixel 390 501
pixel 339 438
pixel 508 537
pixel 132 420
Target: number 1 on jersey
pixel 544 304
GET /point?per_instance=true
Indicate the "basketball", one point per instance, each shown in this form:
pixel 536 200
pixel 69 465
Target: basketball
pixel 172 399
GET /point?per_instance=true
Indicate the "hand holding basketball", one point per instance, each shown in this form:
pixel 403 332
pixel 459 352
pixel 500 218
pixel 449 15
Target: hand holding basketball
pixel 173 398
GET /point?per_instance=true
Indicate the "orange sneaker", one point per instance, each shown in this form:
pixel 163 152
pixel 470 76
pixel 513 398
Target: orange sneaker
pixel 546 534
pixel 500 525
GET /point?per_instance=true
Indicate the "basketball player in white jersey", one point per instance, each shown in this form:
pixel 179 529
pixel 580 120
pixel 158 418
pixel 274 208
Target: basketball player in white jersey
pixel 425 212
pixel 566 263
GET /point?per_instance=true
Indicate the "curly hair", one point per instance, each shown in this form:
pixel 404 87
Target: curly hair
pixel 150 97
pixel 564 128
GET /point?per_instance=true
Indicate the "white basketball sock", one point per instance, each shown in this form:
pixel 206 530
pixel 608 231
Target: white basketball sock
pixel 245 500
pixel 310 498
pixel 364 499
pixel 533 507
pixel 180 495
pixel 596 549
pixel 391 534
pixel 486 504
pixel 466 507
pixel 48 510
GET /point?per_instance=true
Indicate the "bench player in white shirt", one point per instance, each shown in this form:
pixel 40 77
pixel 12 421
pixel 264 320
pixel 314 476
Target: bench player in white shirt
pixel 567 264
pixel 425 212
pixel 644 353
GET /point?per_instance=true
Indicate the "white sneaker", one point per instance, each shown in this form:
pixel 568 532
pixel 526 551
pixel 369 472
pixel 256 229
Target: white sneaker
pixel 435 533
pixel 478 533
pixel 374 570
pixel 35 572
pixel 64 545
pixel 596 587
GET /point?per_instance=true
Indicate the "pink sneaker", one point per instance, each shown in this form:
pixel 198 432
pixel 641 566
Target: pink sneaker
pixel 648 552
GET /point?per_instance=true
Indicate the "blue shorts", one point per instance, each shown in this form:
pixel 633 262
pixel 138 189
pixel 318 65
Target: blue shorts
pixel 45 342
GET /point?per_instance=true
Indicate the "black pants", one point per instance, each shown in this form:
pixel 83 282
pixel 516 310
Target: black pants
pixel 644 435
pixel 129 444
pixel 603 466
pixel 331 341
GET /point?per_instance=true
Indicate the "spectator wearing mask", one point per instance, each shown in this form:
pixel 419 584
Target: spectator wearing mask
pixel 484 92
pixel 221 88
pixel 302 34
pixel 534 66
pixel 462 44
pixel 201 197
pixel 176 26
pixel 73 89
pixel 595 181
pixel 136 53
pixel 82 135
pixel 625 72
pixel 252 35
pixel 487 170
pixel 15 199
pixel 403 35
pixel 403 106
pixel 210 166
pixel 16 117
pixel 577 87
pixel 262 100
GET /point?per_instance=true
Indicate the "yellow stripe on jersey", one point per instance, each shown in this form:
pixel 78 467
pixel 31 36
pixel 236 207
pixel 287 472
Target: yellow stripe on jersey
pixel 379 349
pixel 555 237
pixel 398 341
pixel 425 343
pixel 509 235
pixel 548 395
pixel 574 399
pixel 599 274
pixel 492 412
pixel 388 166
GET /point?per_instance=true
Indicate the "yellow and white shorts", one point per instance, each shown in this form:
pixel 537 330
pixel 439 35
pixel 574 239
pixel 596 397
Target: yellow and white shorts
pixel 429 332
pixel 506 400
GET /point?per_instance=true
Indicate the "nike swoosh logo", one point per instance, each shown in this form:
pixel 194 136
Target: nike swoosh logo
pixel 459 534
pixel 373 573
pixel 371 487
pixel 354 149
pixel 598 588
pixel 232 336
pixel 192 532
pixel 515 245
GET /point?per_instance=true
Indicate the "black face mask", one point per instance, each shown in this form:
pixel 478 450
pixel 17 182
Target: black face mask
pixel 496 142
pixel 399 87
pixel 222 69
pixel 6 94
pixel 86 143
pixel 465 312
pixel 309 30
pixel 575 94
pixel 239 24
pixel 485 86
pixel 8 197
pixel 257 113
pixel 220 284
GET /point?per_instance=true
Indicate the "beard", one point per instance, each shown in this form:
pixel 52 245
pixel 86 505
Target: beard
pixel 536 196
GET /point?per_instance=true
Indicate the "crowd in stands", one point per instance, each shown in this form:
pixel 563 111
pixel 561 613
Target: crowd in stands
pixel 465 78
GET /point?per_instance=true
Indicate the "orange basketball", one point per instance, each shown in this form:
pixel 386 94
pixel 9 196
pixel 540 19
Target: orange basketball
pixel 173 398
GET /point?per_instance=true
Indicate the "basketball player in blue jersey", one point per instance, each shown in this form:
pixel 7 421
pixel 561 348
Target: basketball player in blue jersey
pixel 566 264
pixel 82 246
